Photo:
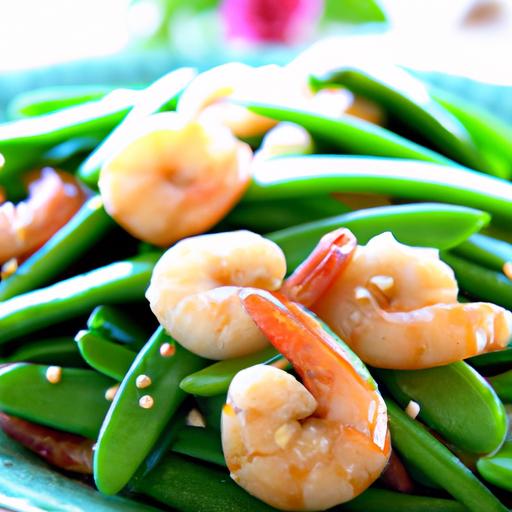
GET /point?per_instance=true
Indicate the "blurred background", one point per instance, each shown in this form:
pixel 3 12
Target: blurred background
pixel 462 45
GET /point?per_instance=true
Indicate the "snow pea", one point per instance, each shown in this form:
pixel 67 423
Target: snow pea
pixel 215 379
pixel 76 404
pixel 499 358
pixel 132 426
pixel 502 384
pixel 470 415
pixel 154 98
pixel 211 407
pixel 406 100
pixel 113 324
pixel 481 282
pixel 486 251
pixel 81 233
pixel 54 351
pixel 497 468
pixel 200 443
pixel 418 447
pixel 289 177
pixel 430 225
pixel 351 135
pixel 23 142
pixel 104 356
pixel 121 282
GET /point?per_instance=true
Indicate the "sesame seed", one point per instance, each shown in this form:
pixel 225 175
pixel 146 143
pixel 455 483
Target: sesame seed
pixel 167 350
pixel 146 401
pixel 111 392
pixel 142 381
pixel 53 374
pixel 412 409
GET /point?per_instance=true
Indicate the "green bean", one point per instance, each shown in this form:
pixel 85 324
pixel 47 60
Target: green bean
pixel 215 379
pixel 120 282
pixel 455 401
pixel 200 443
pixel 486 251
pixel 23 142
pixel 351 135
pixel 492 359
pixel 55 351
pixel 502 384
pixel 140 412
pixel 188 486
pixel 151 100
pixel 420 448
pixel 75 404
pixel 50 99
pixel 430 225
pixel 407 100
pixel 497 468
pixel 481 282
pixel 289 177
pixel 104 356
pixel 116 325
pixel 69 243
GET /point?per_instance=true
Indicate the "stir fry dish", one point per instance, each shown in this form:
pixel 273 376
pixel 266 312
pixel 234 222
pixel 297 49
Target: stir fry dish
pixel 255 289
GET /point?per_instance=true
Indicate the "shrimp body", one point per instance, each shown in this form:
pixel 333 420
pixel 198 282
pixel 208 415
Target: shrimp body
pixel 304 446
pixel 396 306
pixel 194 291
pixel 175 178
pixel 54 197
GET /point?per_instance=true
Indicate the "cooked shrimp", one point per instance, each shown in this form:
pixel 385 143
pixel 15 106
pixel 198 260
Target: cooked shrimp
pixel 396 306
pixel 194 291
pixel 307 446
pixel 175 178
pixel 54 197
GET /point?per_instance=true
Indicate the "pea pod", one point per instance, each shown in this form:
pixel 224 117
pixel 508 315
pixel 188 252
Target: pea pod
pixel 104 356
pixel 481 282
pixel 470 415
pixel 211 407
pixel 502 384
pixel 55 351
pixel 215 379
pixel 420 448
pixel 497 468
pixel 121 282
pixel 75 404
pixel 200 443
pixel 485 250
pixel 492 359
pixel 151 100
pixel 350 134
pixel 131 427
pixel 289 177
pixel 407 101
pixel 85 229
pixel 115 325
pixel 430 225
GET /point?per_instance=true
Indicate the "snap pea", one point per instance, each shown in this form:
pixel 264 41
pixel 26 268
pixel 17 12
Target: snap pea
pixel 200 443
pixel 46 100
pixel 123 281
pixel 211 407
pixel 481 282
pixel 130 430
pixel 455 401
pixel 152 99
pixel 215 379
pixel 430 225
pixel 289 177
pixel 502 384
pixel 497 468
pixel 407 101
pixel 23 142
pixel 420 448
pixel 109 358
pixel 89 224
pixel 55 351
pixel 492 359
pixel 350 134
pixel 75 404
pixel 116 325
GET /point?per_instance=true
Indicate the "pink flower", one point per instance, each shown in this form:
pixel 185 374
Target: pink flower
pixel 273 21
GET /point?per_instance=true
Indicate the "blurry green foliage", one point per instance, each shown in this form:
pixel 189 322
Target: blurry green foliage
pixel 353 11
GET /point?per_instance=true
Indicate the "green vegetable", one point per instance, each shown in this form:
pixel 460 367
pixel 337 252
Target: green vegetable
pixel 76 404
pixel 486 251
pixel 104 356
pixel 502 384
pixel 81 233
pixel 131 430
pixel 418 447
pixel 497 468
pixel 121 282
pixel 215 379
pixel 430 225
pixel 55 351
pixel 201 443
pixel 153 99
pixel 113 324
pixel 455 401
pixel 211 407
pixel 492 359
